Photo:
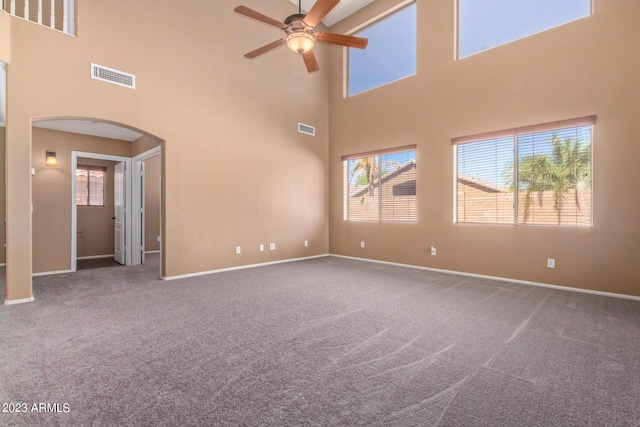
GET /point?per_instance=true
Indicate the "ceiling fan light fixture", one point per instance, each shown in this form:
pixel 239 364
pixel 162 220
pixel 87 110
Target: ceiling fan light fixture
pixel 300 42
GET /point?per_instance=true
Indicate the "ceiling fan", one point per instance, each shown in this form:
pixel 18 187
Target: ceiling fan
pixel 300 32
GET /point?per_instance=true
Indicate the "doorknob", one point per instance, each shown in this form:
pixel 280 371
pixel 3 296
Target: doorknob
pixel 113 217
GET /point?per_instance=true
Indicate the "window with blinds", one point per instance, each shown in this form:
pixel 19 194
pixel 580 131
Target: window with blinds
pixel 538 175
pixel 90 184
pixel 380 186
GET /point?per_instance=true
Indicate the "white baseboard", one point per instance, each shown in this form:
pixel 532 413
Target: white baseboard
pixel 240 267
pixel 151 252
pixel 51 273
pixel 19 301
pixel 95 256
pixel 501 279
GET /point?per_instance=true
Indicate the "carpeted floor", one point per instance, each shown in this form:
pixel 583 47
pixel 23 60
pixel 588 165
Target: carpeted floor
pixel 321 342
pixel 84 264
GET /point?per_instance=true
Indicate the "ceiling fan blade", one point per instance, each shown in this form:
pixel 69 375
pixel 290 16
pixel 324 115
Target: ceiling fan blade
pixel 265 49
pixel 342 40
pixel 310 61
pixel 243 10
pixel 319 11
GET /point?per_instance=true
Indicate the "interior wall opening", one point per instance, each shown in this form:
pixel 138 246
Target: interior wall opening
pixel 76 200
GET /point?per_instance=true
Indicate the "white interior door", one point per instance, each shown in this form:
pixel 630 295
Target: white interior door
pixel 142 213
pixel 119 206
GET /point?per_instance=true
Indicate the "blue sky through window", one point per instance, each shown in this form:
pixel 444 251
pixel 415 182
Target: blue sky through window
pixel 484 24
pixel 390 55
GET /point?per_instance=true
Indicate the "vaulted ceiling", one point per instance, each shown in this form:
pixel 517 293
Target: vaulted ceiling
pixel 341 11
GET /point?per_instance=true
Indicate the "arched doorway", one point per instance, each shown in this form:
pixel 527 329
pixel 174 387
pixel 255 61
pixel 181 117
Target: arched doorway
pixel 68 223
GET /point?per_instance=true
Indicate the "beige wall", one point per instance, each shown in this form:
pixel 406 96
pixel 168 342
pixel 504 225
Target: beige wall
pixel 51 188
pixel 152 204
pixel 144 144
pixel 582 68
pixel 94 223
pixel 229 126
pixel 236 171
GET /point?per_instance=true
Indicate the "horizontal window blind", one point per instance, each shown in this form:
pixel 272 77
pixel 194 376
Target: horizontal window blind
pixel 485 176
pixel 550 168
pixel 90 185
pixel 380 186
pixel 554 177
pixel 82 186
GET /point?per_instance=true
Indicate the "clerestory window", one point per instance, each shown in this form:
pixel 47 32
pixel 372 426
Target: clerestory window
pixel 484 24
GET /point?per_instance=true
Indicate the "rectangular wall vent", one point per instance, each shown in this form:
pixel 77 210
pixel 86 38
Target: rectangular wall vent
pixel 110 75
pixel 306 129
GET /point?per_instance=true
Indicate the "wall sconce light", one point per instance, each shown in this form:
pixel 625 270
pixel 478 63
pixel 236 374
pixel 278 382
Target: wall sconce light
pixel 51 159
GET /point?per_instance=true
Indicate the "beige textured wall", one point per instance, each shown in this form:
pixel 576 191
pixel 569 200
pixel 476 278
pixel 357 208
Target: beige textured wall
pixel 582 68
pixel 144 144
pixel 237 172
pixel 51 188
pixel 152 204
pixel 95 224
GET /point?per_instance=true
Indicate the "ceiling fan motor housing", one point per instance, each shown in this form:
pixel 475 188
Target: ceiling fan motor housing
pixel 300 38
pixel 294 19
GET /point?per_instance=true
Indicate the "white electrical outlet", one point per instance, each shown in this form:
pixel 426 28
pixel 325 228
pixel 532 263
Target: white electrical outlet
pixel 306 243
pixel 238 250
pixel 551 263
pixel 272 246
pixel 434 252
pixel 362 244
pixel 261 248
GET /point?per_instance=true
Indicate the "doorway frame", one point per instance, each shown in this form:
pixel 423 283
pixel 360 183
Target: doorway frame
pixel 137 204
pixel 74 207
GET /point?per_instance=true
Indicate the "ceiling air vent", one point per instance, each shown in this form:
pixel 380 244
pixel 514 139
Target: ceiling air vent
pixel 306 129
pixel 110 75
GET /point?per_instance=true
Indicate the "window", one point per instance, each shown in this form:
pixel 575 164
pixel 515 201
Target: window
pixel 380 186
pixel 550 165
pixel 390 55
pixel 90 182
pixel 486 24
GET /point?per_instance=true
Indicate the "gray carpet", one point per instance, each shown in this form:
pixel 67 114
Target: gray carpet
pixel 329 341
pixel 84 264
